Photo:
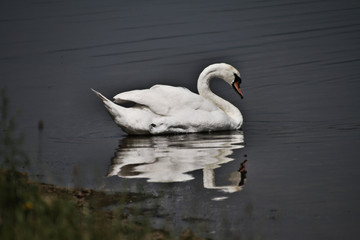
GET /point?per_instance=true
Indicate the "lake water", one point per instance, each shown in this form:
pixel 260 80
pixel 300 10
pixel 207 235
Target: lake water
pixel 300 65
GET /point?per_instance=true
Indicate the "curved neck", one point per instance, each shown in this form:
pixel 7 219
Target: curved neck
pixel 204 90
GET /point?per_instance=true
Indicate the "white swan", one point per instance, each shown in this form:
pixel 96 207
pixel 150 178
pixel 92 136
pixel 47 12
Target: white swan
pixel 165 109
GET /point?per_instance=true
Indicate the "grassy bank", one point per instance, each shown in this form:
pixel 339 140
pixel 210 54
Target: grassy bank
pixel 32 210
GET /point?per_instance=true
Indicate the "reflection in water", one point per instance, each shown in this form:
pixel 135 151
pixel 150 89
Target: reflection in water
pixel 172 158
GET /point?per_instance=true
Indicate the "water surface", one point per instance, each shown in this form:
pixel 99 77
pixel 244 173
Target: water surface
pixel 299 62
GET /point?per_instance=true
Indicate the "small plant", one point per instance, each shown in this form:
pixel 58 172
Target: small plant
pixel 12 154
pixel 24 214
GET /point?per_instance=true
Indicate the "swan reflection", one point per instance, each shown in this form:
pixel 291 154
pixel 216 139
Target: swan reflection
pixel 173 158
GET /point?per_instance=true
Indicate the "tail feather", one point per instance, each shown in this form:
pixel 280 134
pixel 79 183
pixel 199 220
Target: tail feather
pixel 102 97
pixel 110 106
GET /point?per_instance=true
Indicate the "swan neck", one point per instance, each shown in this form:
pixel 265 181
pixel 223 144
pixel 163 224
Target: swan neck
pixel 205 91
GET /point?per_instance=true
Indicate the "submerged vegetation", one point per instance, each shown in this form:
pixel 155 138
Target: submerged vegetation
pixel 33 210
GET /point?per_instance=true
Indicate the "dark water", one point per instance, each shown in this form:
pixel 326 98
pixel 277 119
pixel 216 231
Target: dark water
pixel 300 64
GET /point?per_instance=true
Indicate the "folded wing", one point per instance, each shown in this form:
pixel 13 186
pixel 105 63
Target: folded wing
pixel 166 100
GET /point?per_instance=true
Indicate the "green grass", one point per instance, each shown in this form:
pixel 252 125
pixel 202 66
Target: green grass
pixel 30 210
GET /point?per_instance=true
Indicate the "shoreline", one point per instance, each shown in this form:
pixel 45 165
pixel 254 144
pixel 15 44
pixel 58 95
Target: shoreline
pixel 99 214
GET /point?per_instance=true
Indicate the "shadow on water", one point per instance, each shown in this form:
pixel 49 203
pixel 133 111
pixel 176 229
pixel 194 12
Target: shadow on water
pixel 168 159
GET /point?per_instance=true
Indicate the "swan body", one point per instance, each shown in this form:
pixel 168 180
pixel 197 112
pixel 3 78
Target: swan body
pixel 166 109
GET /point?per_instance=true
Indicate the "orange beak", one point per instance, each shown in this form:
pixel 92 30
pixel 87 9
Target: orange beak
pixel 236 86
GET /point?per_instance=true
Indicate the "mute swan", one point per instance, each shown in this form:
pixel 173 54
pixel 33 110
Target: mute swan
pixel 166 109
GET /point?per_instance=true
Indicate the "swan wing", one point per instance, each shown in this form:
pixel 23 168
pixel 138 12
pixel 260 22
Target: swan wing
pixel 165 100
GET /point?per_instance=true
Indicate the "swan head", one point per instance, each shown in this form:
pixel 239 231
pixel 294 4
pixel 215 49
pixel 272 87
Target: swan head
pixel 224 71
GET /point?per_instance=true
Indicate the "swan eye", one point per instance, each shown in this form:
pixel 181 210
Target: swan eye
pixel 237 78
